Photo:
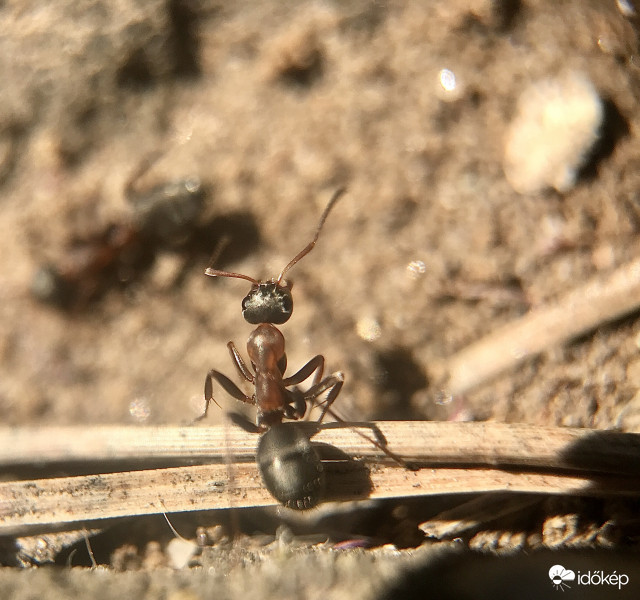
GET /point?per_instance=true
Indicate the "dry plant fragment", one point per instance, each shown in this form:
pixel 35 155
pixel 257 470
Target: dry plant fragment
pixel 453 458
pixel 602 299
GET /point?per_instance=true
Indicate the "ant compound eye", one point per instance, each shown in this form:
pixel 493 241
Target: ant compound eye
pixel 268 303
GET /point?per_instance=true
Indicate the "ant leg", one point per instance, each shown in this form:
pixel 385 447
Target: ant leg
pixel 296 404
pixel 239 363
pixel 375 430
pixel 231 388
pixel 315 364
pixel 333 383
pixel 242 422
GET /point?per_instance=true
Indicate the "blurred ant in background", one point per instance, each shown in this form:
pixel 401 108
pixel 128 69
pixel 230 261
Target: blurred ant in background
pixel 167 216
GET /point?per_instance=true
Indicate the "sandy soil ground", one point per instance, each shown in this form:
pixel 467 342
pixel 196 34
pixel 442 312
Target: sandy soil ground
pixel 273 106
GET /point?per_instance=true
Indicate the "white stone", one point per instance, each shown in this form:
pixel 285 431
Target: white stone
pixel 556 124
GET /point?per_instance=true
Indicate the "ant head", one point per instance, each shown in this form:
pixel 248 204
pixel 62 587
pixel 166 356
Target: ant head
pixel 271 301
pixel 268 302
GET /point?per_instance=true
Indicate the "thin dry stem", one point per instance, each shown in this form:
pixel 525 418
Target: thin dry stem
pixel 416 441
pixel 601 300
pixel 25 505
pixel 454 458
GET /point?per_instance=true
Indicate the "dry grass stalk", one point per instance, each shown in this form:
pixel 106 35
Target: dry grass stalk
pixel 455 458
pixel 583 309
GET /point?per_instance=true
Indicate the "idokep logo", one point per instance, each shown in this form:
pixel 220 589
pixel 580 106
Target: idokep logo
pixel 560 577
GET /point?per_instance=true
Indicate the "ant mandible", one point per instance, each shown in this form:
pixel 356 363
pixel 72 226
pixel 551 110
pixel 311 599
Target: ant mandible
pixel 269 303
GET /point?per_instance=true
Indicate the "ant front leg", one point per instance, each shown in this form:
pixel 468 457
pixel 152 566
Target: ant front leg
pixel 231 388
pixel 239 363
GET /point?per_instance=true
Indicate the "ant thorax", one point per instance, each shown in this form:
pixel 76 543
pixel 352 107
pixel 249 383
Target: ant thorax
pixel 268 302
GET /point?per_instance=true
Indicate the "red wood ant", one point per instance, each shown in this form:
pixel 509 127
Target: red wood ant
pixel 290 467
pixel 164 216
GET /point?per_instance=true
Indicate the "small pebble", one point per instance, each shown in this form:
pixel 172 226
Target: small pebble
pixel 556 124
pixel 180 552
pixel 368 328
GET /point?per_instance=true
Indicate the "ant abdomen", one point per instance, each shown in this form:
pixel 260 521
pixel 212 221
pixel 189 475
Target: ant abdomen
pixel 290 466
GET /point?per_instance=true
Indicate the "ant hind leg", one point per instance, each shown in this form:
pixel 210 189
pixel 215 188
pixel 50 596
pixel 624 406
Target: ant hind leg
pixel 241 421
pixel 334 384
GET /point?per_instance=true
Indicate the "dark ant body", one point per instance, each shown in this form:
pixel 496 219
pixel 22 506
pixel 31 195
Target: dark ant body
pixel 90 262
pixel 162 216
pixel 167 213
pixel 290 466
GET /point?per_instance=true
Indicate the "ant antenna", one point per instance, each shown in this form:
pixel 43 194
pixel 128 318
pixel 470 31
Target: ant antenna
pixel 312 243
pixel 217 273
pixel 222 244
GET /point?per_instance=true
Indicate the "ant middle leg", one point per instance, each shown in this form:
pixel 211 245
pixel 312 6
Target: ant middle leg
pixel 315 364
pixel 227 385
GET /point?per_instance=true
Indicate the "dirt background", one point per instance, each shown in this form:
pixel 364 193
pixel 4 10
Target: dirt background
pixel 274 105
